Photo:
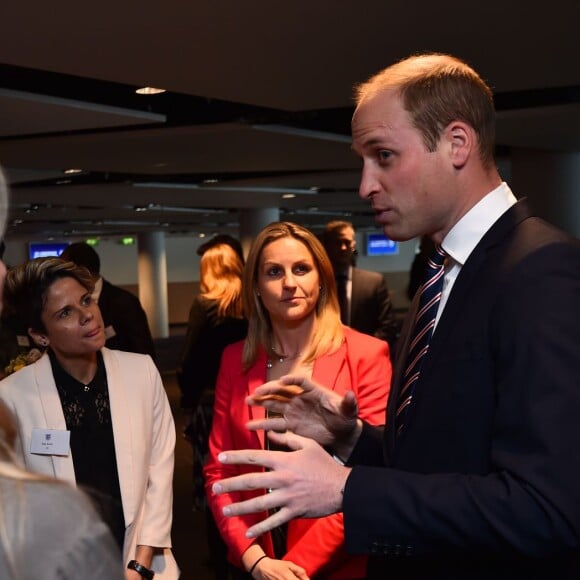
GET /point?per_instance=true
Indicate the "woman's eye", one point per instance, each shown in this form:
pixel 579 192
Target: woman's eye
pixel 301 269
pixel 87 300
pixel 64 313
pixel 273 272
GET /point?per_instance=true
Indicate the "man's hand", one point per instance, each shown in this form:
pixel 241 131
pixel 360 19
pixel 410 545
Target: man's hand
pixel 303 482
pixel 309 410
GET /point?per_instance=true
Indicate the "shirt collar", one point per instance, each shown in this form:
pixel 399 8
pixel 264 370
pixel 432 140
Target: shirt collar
pixel 468 231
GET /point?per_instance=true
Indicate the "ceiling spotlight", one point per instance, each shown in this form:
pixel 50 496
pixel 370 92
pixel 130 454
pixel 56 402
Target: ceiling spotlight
pixel 149 91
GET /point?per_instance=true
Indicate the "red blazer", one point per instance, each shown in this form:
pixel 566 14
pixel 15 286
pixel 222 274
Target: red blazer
pixel 362 364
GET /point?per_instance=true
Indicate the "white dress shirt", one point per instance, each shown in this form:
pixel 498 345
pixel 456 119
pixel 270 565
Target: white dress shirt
pixel 468 232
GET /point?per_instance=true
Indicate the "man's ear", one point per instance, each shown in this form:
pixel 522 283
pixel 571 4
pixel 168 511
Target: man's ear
pixel 39 338
pixel 462 141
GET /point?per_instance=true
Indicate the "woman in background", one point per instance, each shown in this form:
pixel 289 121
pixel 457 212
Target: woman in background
pixel 215 320
pixel 94 417
pixel 291 303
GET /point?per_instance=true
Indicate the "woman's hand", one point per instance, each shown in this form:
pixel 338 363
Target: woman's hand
pixel 270 569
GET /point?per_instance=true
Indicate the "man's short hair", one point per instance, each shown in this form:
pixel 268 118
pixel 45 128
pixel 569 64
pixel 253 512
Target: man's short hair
pixel 83 255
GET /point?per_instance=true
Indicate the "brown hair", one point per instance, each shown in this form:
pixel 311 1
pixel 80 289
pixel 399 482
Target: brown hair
pixel 437 89
pixel 26 286
pixel 221 271
pixel 3 202
pixel 328 334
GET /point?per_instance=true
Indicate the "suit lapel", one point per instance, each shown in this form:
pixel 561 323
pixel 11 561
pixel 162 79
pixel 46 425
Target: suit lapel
pixel 468 276
pixel 54 416
pixel 449 318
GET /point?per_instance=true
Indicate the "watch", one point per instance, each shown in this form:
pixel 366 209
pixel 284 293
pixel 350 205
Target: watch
pixel 141 570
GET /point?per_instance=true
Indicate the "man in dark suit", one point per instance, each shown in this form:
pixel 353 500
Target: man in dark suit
pixel 366 304
pixel 478 474
pixel 126 326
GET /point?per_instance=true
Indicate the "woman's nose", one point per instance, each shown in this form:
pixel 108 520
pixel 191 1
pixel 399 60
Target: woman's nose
pixel 86 315
pixel 289 280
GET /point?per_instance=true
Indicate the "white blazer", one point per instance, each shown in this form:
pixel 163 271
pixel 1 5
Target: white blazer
pixel 144 435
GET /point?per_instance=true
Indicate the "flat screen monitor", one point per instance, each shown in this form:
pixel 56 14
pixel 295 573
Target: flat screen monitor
pixel 380 245
pixel 45 249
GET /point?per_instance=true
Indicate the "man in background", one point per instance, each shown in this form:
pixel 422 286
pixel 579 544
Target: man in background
pixel 365 304
pixel 126 326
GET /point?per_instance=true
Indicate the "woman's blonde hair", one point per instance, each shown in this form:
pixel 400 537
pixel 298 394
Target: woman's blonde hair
pixel 328 333
pixel 221 271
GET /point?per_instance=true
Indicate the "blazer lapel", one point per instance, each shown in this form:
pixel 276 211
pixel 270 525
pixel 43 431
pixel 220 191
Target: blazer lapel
pixel 326 368
pixel 257 377
pixel 121 423
pixel 49 399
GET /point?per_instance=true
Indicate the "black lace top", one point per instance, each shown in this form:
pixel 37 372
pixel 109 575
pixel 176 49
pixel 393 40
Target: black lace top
pixel 88 417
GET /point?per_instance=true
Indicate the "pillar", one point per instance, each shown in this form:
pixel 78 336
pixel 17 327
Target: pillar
pixel 551 182
pixel 152 271
pixel 252 221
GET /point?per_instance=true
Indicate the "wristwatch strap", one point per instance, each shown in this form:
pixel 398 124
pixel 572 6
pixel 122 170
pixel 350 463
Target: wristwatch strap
pixel 141 570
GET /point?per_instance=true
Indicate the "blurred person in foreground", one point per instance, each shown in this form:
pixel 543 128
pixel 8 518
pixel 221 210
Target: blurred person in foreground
pixel 94 417
pixel 48 529
pixel 294 327
pixel 477 472
pixel 215 320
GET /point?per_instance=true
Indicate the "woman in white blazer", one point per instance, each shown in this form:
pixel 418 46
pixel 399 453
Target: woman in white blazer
pixel 96 417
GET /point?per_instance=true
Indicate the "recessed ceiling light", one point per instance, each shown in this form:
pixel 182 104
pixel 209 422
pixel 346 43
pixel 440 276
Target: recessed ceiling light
pixel 149 91
pixel 289 196
pixel 72 171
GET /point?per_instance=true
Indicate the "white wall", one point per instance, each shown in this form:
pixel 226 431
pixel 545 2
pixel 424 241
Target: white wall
pixel 119 263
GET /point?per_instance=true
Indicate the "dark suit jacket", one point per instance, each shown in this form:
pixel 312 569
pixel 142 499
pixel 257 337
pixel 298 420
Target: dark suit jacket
pixel 124 316
pixel 371 309
pixel 485 480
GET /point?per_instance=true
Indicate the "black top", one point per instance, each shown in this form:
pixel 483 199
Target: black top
pixel 208 334
pixel 88 418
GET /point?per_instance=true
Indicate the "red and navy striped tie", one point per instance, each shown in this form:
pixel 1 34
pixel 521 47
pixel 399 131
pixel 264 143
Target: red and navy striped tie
pixel 429 298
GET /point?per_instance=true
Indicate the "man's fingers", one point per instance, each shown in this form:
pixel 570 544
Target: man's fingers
pixel 349 405
pixel 277 519
pixel 248 457
pixel 274 424
pixel 289 439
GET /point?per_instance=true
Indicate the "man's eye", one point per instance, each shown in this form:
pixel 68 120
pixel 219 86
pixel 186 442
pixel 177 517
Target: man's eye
pixel 384 155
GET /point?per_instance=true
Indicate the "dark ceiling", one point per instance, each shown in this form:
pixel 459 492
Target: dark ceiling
pixel 258 103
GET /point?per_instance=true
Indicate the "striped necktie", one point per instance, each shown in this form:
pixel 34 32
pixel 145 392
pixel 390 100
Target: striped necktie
pixel 429 298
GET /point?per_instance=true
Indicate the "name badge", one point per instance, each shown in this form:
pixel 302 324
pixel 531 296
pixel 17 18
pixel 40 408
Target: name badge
pixel 50 442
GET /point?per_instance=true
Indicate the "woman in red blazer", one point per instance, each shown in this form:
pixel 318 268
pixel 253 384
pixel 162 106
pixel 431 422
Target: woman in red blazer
pixel 294 327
